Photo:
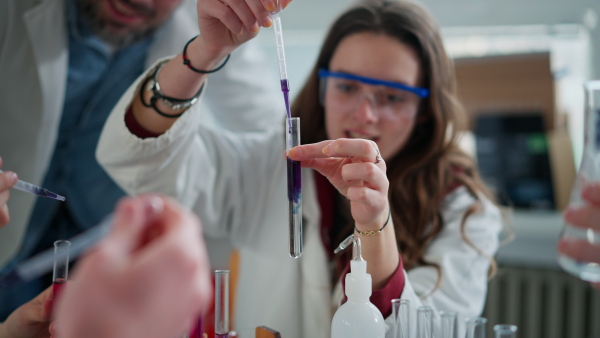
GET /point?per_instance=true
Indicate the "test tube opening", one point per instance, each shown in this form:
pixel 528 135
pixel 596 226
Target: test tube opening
pixel 505 331
pixel 424 322
pixel 401 315
pixel 448 324
pixel 294 179
pixel 476 327
pixel 221 303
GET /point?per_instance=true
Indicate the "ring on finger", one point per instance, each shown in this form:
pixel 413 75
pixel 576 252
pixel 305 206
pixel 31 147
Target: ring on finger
pixel 378 158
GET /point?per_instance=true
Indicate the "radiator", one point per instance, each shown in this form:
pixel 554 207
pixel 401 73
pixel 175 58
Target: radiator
pixel 543 304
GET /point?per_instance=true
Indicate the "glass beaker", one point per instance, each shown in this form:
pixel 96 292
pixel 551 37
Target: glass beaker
pixel 579 246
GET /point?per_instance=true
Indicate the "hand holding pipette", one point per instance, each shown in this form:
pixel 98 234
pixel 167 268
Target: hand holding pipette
pixel 7 181
pixel 34 189
pixel 148 278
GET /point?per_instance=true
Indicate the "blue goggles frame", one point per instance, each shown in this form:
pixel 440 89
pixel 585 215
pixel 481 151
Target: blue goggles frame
pixel 420 92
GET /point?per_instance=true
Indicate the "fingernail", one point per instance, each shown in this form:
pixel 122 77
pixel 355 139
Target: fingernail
pixel 269 5
pixel 12 177
pixel 153 205
pixel 268 22
pixel 293 153
pixel 327 149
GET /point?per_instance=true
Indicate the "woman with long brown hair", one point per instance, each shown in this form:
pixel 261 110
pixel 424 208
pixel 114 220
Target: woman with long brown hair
pixel 380 122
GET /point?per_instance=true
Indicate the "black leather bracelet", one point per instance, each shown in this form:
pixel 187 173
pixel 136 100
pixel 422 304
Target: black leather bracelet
pixel 187 62
pixel 375 232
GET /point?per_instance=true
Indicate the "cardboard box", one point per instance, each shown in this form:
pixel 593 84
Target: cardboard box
pixel 510 84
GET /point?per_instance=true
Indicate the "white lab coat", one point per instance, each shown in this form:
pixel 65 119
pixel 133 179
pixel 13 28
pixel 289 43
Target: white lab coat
pixel 33 74
pixel 237 185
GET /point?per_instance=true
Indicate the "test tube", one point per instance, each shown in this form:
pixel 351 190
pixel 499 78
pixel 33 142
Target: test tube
pixel 448 324
pixel 476 327
pixel 505 331
pixel 221 303
pixel 294 178
pixel 60 273
pixel 401 313
pixel 424 322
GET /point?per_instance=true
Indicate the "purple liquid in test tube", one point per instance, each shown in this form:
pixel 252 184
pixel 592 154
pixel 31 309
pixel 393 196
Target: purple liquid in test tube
pixel 294 179
pixel 285 88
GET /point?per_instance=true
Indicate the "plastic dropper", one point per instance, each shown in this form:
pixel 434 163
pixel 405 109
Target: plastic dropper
pixel 34 189
pixel 283 76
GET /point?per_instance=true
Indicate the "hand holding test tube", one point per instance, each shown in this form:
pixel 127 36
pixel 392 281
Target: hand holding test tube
pixel 148 278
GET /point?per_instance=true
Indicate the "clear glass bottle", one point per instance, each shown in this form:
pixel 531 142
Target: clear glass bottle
pixel 505 331
pixel 583 262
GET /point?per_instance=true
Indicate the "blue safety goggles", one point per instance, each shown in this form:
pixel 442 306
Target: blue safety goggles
pixel 420 92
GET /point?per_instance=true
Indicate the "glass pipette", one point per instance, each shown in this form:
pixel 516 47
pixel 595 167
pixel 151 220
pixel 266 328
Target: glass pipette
pixel 221 303
pixel 34 189
pixel 60 273
pixel 283 77
pixel 44 261
pixel 294 177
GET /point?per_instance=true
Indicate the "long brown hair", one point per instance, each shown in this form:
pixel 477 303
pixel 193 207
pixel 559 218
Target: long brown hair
pixel 431 163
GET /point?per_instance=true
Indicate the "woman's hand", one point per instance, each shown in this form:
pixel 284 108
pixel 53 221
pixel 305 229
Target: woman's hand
pixel 149 278
pixel 357 171
pixel 226 24
pixel 587 217
pixel 7 181
pixel 30 320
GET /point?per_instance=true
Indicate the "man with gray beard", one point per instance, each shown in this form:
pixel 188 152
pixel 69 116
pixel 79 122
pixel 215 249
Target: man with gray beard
pixel 63 66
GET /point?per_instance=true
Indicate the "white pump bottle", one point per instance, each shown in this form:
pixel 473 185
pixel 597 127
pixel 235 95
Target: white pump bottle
pixel 358 317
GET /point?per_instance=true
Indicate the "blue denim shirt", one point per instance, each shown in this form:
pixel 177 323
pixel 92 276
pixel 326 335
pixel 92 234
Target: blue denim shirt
pixel 97 77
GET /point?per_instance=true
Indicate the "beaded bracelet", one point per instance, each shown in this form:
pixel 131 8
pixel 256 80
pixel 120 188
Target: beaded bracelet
pixel 375 232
